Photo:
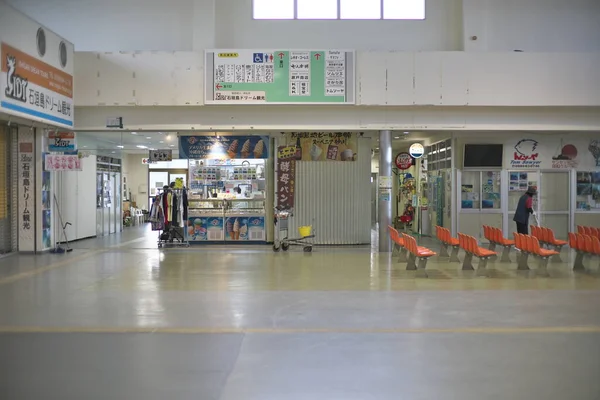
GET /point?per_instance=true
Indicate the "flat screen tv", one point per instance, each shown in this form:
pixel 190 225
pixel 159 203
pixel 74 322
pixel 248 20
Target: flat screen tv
pixel 483 155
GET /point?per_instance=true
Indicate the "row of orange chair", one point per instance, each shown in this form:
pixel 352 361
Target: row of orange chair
pixel 546 237
pixel 584 245
pixel 588 230
pixel 472 249
pixel 416 254
pixel 495 238
pixel 398 243
pixel 409 251
pixel 530 245
pixel 445 237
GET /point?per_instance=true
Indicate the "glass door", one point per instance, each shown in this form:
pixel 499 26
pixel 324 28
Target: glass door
pixel 554 193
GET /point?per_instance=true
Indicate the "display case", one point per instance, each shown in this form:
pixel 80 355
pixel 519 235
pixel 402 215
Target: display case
pixel 226 201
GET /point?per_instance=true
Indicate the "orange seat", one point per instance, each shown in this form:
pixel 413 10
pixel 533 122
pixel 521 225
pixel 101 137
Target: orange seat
pixel 536 249
pixel 573 240
pixel 551 239
pixel 416 252
pixel 580 229
pixel 500 239
pixel 596 245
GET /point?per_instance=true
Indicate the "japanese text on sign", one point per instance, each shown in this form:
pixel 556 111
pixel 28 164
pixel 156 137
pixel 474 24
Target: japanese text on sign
pixel 26 163
pixel 324 137
pixel 286 178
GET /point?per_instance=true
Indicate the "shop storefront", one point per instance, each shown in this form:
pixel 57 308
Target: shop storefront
pixel 564 169
pixel 36 91
pixel 228 188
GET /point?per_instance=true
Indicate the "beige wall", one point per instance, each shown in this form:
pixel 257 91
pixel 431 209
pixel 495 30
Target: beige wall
pixel 137 175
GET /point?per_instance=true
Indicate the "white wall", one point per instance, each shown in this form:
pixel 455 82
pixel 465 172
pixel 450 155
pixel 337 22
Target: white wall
pixel 532 25
pixel 113 25
pixel 137 174
pixel 76 195
pixel 185 25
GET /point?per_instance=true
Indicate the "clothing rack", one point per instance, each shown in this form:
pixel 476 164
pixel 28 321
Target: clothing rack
pixel 168 216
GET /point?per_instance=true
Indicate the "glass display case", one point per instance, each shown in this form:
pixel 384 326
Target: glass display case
pixel 226 201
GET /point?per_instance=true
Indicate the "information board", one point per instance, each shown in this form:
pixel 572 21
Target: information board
pixel 280 77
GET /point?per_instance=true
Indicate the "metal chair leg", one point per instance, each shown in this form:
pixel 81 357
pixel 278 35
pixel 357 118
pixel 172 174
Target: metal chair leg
pixel 403 257
pixel 454 254
pixel 468 262
pixel 505 257
pixel 444 251
pixel 411 264
pixel 556 258
pixel 522 262
pixel 578 265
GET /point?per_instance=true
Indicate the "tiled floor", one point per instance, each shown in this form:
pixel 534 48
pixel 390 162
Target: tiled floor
pixel 120 319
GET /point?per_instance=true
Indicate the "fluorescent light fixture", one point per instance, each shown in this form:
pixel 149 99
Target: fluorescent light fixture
pixel 148 137
pixel 172 145
pixel 162 141
pixel 396 137
pixel 134 133
pixel 121 147
pixel 141 146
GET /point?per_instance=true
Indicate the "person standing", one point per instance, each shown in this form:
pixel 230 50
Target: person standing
pixel 524 209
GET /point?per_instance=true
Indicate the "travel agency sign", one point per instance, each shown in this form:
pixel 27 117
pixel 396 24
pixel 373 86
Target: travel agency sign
pixel 36 80
pixel 551 153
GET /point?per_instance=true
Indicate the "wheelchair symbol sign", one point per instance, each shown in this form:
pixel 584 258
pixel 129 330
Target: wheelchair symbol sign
pixel 258 57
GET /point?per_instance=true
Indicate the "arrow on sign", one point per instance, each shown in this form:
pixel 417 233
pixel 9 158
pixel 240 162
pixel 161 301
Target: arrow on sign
pixel 281 55
pixel 317 56
pixel 218 86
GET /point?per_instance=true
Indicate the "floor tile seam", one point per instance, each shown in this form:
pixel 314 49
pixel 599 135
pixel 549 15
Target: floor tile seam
pixel 316 330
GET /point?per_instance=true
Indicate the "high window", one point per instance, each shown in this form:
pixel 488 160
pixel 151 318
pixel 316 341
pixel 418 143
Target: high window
pixel 338 9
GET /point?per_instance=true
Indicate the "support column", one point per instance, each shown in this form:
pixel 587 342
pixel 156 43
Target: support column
pixel 384 192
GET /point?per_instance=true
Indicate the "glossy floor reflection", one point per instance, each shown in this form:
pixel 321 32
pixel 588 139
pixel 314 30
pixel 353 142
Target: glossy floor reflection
pixel 121 319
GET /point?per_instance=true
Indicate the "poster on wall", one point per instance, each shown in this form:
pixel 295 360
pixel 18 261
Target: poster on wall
pixel 223 147
pixel 244 228
pixel 286 181
pixel 202 229
pixel 323 146
pixel 275 76
pixel 32 89
pixel 551 153
pixel 62 162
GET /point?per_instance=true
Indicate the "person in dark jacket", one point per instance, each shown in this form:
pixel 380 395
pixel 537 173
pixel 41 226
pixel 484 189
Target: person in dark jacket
pixel 524 209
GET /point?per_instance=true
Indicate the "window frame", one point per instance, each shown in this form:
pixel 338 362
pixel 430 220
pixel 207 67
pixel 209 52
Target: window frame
pixel 339 14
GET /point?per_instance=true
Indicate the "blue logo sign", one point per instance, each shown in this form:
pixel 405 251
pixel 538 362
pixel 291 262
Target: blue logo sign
pixel 258 57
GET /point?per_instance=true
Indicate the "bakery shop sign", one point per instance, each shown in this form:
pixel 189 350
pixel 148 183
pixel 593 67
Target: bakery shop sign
pixel 286 180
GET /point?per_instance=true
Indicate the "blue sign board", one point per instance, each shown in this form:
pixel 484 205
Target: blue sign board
pixel 223 147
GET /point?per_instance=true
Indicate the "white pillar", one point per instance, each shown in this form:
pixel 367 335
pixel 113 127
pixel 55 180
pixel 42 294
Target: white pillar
pixel 385 195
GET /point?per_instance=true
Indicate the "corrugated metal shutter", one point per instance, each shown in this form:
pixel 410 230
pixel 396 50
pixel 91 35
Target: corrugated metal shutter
pixel 335 197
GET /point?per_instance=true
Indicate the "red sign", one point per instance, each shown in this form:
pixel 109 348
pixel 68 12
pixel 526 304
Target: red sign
pixel 281 55
pixel 403 161
pixel 317 56
pixel 286 180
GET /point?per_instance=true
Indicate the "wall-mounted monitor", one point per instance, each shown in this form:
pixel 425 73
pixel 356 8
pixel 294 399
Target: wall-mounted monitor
pixel 483 156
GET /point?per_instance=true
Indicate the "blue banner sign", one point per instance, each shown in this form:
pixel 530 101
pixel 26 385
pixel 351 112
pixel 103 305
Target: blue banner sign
pixel 223 147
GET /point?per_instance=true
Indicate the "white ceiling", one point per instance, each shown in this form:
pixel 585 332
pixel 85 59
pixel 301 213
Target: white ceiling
pixel 118 143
